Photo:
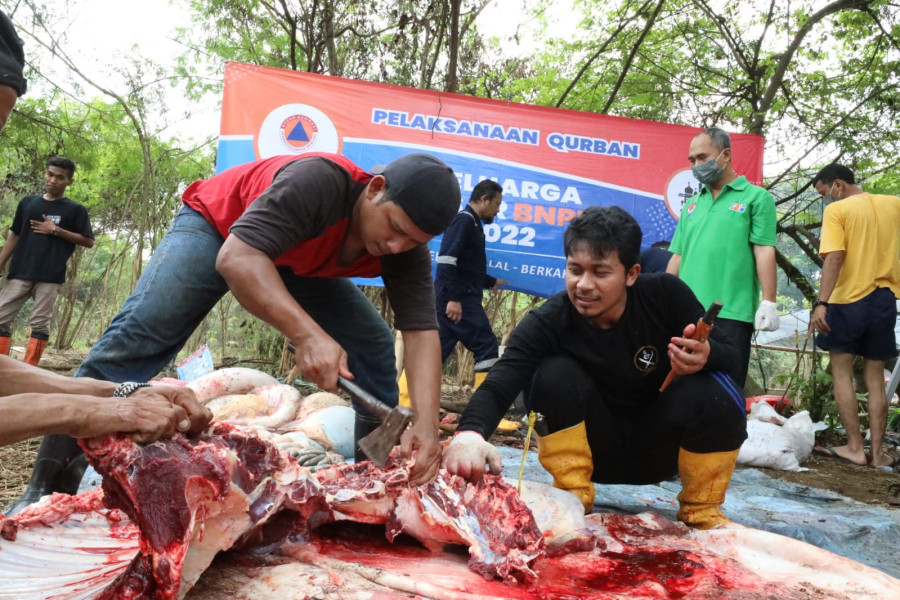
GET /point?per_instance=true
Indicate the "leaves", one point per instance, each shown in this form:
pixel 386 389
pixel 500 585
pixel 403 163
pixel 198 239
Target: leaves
pixel 818 79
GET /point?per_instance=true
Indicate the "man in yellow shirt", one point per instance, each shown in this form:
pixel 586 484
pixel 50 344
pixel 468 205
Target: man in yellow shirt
pixel 856 310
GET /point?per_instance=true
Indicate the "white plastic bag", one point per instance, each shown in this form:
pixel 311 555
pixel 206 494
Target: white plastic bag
pixel 776 442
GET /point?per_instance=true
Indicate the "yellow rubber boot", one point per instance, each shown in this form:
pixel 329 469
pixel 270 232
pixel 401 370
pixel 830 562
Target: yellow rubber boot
pixel 480 376
pixel 567 456
pixel 505 424
pixel 404 390
pixel 704 479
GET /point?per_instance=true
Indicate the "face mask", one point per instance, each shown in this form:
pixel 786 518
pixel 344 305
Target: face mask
pixel 828 198
pixel 709 171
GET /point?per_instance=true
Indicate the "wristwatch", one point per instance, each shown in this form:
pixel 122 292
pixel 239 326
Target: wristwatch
pixel 55 230
pixel 128 388
pixel 819 303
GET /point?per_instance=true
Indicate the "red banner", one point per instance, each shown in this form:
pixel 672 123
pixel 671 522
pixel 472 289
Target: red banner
pixel 551 162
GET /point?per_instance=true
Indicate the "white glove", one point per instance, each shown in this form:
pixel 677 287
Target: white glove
pixel 467 453
pixel 767 316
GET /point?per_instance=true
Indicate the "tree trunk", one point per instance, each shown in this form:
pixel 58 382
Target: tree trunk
pixel 453 62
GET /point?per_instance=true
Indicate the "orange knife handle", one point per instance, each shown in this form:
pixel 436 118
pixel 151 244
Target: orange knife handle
pixel 701 333
pixel 668 380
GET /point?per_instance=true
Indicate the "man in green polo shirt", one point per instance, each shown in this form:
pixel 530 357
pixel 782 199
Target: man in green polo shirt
pixel 724 245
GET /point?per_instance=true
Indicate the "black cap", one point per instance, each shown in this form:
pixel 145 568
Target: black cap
pixel 425 188
pixel 12 58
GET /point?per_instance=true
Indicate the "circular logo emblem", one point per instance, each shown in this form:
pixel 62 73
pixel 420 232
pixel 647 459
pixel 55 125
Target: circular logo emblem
pixel 299 132
pixel 295 129
pixel 680 188
pixel 645 359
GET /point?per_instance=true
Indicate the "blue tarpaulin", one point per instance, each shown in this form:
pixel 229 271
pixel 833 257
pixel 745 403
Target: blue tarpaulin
pixel 866 533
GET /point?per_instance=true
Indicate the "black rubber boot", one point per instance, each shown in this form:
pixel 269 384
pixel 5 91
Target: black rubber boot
pixel 57 468
pixel 363 425
pixel 70 479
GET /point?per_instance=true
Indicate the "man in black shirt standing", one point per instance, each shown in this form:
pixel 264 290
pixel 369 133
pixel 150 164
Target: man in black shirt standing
pixel 591 360
pixel 43 235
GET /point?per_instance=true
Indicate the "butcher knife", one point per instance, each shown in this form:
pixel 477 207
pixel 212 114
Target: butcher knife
pixel 701 333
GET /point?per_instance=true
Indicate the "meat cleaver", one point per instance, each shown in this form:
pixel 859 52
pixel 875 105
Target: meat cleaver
pixel 394 421
pixel 378 444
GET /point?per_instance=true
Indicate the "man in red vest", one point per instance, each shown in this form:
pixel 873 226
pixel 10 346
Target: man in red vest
pixel 284 234
pixel 12 63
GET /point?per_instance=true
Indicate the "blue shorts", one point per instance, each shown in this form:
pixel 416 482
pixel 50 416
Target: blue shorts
pixel 862 328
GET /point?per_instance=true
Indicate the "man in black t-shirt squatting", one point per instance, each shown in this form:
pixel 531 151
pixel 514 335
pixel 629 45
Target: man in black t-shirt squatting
pixel 591 360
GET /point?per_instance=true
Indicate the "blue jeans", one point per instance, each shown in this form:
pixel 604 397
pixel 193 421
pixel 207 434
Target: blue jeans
pixel 180 286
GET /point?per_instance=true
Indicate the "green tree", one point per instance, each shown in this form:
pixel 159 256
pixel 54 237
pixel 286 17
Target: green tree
pixel 416 43
pixel 128 176
pixel 820 81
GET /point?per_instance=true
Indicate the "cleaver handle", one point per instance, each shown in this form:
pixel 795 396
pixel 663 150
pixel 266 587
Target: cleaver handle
pixel 364 398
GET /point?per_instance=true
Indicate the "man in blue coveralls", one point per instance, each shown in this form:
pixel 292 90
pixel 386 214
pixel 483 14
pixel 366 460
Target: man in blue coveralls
pixel 461 277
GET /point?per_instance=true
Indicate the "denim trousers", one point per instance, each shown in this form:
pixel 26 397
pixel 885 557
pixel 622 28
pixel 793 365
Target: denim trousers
pixel 180 286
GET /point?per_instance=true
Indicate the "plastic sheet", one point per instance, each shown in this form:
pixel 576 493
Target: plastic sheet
pixel 862 532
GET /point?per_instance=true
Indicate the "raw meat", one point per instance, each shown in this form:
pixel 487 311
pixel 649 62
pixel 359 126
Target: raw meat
pixel 189 499
pixel 231 489
pixel 488 517
pixel 642 557
pixel 67 547
pixel 347 532
pixel 783 560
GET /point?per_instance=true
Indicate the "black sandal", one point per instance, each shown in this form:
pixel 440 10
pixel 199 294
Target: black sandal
pixel 893 497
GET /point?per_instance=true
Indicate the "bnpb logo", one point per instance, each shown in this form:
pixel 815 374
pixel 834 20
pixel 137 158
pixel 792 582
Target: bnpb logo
pixel 295 129
pixel 299 132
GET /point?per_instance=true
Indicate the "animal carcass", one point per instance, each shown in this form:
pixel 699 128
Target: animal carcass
pixel 633 556
pixel 229 488
pixel 167 510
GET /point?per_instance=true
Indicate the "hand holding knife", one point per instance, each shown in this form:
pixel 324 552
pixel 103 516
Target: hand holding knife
pixel 701 333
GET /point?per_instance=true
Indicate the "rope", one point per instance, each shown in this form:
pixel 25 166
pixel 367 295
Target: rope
pixel 532 417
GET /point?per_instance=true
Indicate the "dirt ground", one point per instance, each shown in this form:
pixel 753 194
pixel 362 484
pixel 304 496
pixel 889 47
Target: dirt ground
pixel 16 462
pixel 860 483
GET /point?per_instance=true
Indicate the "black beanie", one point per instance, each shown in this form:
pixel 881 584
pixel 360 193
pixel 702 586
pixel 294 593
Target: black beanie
pixel 12 58
pixel 425 188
